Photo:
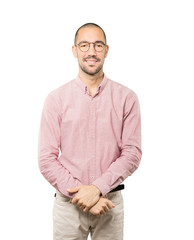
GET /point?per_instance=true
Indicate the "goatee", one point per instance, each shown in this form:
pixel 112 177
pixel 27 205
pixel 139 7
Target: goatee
pixel 91 73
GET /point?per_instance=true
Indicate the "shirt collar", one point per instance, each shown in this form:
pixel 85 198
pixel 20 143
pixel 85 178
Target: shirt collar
pixel 84 87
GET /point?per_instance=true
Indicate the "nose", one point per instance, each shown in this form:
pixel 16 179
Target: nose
pixel 91 50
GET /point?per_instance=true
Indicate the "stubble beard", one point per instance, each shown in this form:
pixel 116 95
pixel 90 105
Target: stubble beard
pixel 91 72
pixel 84 69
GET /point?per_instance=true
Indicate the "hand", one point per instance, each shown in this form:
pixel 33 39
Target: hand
pixel 101 208
pixel 86 197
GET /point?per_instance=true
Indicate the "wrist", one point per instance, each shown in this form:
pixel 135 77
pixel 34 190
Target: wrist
pixel 97 190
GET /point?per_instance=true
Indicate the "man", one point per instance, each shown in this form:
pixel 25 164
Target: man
pixel 89 142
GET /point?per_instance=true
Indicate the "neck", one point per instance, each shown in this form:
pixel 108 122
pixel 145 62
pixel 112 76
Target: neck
pixel 92 81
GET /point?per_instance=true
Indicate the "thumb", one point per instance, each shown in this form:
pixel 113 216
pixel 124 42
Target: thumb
pixel 73 190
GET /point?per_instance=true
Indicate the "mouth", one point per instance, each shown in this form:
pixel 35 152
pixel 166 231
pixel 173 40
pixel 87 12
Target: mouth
pixel 91 61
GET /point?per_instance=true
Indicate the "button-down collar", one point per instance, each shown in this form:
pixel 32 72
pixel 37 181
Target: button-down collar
pixel 84 87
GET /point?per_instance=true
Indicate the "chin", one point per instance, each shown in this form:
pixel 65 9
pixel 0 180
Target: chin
pixel 91 72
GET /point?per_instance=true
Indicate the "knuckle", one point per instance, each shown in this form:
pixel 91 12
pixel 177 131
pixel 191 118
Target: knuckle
pixel 97 212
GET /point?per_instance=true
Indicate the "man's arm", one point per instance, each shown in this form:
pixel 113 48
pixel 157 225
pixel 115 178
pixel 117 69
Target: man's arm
pixel 48 148
pixel 131 152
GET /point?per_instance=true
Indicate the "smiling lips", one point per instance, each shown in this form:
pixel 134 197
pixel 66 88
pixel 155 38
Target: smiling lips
pixel 91 61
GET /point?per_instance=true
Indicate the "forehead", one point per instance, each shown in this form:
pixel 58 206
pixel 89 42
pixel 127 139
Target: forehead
pixel 90 34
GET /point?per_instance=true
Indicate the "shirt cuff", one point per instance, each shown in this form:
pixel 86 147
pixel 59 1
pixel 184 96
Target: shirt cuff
pixel 102 186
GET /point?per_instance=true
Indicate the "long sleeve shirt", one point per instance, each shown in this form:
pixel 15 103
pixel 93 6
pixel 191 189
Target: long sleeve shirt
pixel 85 139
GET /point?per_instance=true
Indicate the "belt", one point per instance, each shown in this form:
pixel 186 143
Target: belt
pixel 120 187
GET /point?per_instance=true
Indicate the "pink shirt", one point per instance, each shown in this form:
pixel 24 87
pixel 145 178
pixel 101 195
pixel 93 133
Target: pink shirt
pixel 86 139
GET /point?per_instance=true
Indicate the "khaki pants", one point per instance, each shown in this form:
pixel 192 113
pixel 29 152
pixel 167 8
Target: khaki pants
pixel 71 223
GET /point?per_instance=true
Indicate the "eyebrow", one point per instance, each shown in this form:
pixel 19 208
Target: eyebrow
pixel 100 42
pixel 94 42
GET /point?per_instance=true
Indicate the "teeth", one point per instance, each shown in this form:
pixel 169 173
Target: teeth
pixel 91 61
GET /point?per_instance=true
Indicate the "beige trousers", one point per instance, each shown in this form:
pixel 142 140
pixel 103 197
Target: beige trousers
pixel 71 223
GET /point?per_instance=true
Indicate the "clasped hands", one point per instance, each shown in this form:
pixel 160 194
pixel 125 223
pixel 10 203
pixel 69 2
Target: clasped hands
pixel 88 199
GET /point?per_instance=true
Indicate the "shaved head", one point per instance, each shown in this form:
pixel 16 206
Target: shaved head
pixel 92 25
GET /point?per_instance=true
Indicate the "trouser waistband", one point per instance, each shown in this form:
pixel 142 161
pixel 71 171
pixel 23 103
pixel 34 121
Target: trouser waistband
pixel 118 188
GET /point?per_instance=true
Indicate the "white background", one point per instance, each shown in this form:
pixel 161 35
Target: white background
pixel 152 52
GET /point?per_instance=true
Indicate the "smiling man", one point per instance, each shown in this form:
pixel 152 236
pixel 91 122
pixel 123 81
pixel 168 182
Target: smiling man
pixel 95 123
pixel 90 59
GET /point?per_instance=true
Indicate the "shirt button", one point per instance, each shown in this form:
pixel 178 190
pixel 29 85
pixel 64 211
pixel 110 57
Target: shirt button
pixel 92 177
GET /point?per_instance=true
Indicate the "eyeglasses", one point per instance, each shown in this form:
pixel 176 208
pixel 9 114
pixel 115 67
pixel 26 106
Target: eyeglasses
pixel 85 46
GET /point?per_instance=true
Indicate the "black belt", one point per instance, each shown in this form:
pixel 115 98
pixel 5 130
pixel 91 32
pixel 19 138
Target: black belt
pixel 120 187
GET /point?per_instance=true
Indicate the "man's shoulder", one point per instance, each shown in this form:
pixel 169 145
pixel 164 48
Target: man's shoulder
pixel 121 89
pixel 61 90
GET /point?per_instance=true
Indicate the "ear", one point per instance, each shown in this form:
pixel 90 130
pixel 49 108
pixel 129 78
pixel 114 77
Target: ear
pixel 106 50
pixel 74 51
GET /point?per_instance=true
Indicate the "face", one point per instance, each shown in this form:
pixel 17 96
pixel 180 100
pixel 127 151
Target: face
pixel 90 62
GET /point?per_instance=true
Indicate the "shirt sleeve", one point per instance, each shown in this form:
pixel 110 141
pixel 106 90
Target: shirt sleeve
pixel 131 152
pixel 49 148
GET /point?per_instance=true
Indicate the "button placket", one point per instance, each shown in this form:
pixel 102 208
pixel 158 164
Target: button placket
pixel 93 128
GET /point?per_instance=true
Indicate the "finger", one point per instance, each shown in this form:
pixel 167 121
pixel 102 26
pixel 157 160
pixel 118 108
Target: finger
pixel 106 209
pixel 110 204
pixel 74 200
pixel 96 212
pixel 80 204
pixel 86 209
pixel 82 207
pixel 102 212
pixel 73 190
